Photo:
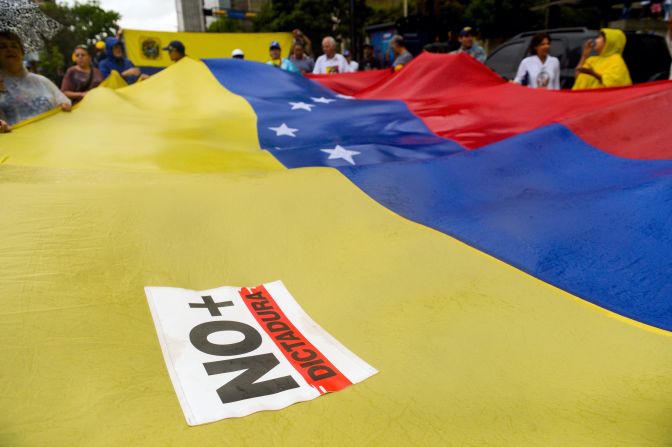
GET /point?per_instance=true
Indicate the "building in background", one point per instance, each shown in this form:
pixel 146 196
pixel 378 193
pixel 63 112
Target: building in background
pixel 190 15
pixel 240 10
pixel 241 5
pixel 217 4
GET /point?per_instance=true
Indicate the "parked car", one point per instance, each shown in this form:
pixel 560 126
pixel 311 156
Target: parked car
pixel 647 57
pixel 645 54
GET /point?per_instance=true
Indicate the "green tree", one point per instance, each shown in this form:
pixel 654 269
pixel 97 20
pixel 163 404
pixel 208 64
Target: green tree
pixel 387 13
pixel 226 25
pixel 51 62
pixel 588 16
pixel 503 18
pixel 83 24
pixel 315 18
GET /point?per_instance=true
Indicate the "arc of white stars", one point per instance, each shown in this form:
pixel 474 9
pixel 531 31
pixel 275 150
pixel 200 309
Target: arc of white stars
pixel 283 129
pixel 323 100
pixel 301 106
pixel 339 152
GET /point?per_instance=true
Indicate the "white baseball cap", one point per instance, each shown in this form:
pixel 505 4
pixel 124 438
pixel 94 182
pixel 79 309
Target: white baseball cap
pixel 237 52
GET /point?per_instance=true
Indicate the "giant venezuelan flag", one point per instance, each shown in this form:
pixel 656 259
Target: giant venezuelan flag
pixel 515 294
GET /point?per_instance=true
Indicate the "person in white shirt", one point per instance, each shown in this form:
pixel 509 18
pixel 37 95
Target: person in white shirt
pixel 330 62
pixel 352 65
pixel 539 70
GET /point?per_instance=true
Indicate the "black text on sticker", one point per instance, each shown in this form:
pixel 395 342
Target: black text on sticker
pixel 245 385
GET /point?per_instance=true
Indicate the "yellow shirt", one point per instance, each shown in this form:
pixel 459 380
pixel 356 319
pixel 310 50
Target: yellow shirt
pixel 609 64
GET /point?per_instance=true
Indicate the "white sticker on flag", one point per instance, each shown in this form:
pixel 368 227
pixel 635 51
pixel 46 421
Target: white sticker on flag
pixel 234 351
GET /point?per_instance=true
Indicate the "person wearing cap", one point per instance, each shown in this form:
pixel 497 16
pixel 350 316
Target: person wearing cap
pixel 352 65
pixel 330 62
pixel 100 53
pixel 175 50
pixel 468 46
pixel 401 55
pixel 369 61
pixel 278 61
pixel 301 60
pixel 238 54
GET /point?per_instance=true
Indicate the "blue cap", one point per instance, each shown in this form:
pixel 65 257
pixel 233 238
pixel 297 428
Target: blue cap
pixel 275 45
pixel 175 45
pixel 467 31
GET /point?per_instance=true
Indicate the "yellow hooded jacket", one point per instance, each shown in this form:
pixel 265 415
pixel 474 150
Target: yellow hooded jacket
pixel 609 64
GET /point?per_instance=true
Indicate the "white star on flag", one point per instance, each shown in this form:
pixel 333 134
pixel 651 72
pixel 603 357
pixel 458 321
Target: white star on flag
pixel 284 130
pixel 339 152
pixel 323 100
pixel 301 106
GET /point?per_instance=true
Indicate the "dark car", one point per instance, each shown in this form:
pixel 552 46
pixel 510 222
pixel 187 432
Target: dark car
pixel 646 54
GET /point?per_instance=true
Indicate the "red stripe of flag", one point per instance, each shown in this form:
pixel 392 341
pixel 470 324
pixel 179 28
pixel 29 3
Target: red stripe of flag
pixel 313 366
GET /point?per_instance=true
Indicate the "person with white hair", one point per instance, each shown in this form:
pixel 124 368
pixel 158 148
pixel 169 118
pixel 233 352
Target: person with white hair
pixel 330 62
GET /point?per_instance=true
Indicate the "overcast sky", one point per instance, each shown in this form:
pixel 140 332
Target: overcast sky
pixel 156 15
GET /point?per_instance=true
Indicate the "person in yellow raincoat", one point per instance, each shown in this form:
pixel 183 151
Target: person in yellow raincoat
pixel 607 69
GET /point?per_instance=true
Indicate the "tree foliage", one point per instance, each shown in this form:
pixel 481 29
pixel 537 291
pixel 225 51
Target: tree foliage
pixel 51 62
pixel 83 24
pixel 226 25
pixel 494 18
pixel 315 18
pixel 503 17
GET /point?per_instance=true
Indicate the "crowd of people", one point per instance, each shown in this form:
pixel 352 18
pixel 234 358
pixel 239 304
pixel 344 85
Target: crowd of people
pixel 24 94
